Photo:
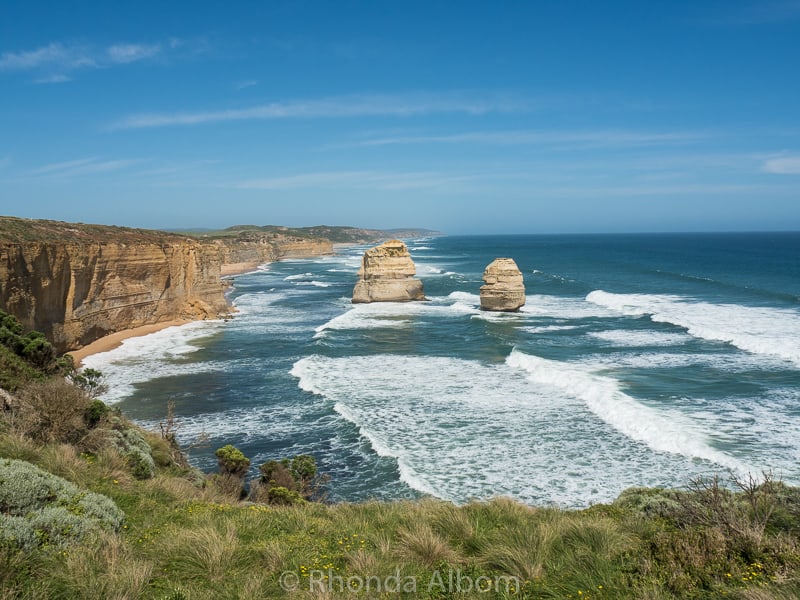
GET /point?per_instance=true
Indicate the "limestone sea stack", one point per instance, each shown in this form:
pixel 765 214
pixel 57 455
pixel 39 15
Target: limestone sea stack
pixel 387 275
pixel 504 289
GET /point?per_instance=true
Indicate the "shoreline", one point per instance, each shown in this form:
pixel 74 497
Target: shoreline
pixel 114 340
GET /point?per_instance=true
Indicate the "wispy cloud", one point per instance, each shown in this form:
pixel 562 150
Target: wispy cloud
pixel 401 105
pixel 56 60
pixel 82 166
pixel 57 78
pixel 246 84
pixel 587 139
pixel 52 55
pixel 378 180
pixel 128 53
pixel 757 12
pixel 784 165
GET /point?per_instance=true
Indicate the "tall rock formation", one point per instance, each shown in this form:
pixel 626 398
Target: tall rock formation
pixel 387 275
pixel 504 289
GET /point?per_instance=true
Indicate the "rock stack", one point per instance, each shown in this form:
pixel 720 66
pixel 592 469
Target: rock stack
pixel 504 289
pixel 387 275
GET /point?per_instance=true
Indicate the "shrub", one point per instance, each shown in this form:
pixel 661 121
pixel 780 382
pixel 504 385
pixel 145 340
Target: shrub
pixel 32 347
pixel 292 479
pixel 95 412
pixel 232 461
pixel 281 495
pixel 51 411
pixel 89 380
pixel 133 447
pixel 40 508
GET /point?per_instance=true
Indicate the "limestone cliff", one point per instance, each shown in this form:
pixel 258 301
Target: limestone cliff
pixel 387 275
pixel 504 289
pixel 245 253
pixel 77 283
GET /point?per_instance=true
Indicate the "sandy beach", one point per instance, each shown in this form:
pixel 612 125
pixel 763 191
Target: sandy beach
pixel 113 340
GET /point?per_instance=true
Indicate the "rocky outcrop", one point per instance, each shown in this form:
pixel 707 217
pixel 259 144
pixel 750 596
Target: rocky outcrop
pixel 504 289
pixel 387 275
pixel 77 283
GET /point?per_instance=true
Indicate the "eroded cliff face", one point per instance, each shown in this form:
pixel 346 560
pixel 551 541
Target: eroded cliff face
pixel 79 283
pixel 78 292
pixel 244 254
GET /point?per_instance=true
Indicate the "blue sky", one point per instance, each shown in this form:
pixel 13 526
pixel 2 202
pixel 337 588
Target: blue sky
pixel 469 117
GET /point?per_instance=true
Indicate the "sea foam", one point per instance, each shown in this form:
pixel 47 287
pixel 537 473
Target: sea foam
pixel 462 429
pixel 760 330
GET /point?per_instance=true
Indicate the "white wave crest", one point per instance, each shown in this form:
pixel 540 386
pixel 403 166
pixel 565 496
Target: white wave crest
pixel 660 430
pixel 462 429
pixel 760 330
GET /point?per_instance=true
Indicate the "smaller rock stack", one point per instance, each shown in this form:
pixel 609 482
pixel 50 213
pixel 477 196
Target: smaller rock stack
pixel 504 290
pixel 387 275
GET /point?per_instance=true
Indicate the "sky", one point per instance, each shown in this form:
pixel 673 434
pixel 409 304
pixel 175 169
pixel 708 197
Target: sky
pixel 462 116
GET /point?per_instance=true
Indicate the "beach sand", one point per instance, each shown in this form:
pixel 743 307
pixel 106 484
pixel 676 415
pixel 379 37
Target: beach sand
pixel 113 340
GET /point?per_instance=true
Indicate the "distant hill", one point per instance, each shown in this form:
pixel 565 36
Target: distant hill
pixel 15 229
pixel 336 234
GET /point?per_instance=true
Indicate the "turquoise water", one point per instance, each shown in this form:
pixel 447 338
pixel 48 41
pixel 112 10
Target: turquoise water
pixel 637 360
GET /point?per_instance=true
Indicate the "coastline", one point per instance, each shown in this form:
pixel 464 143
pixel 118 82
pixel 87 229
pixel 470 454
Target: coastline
pixel 114 340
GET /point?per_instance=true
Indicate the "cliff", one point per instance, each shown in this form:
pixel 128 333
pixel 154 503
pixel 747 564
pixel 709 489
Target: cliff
pixel 77 283
pixel 387 275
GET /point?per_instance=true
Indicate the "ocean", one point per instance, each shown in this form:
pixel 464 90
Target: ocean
pixel 638 360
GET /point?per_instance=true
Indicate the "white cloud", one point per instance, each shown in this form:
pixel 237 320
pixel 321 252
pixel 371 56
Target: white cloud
pixel 53 55
pixel 57 78
pixel 56 60
pixel 82 166
pixel 402 105
pixel 784 165
pixel 588 139
pixel 246 84
pixel 128 53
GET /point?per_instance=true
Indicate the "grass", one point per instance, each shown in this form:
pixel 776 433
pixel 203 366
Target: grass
pixel 180 541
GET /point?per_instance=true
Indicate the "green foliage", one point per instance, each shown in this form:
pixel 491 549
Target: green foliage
pixel 95 412
pixel 89 380
pixel 38 508
pixel 232 461
pixel 130 443
pixel 32 347
pixel 288 481
pixel 280 495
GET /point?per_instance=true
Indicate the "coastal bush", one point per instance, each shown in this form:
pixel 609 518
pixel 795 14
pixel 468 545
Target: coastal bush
pixel 94 413
pixel 51 411
pixel 32 347
pixel 89 380
pixel 232 461
pixel 131 444
pixel 39 508
pixel 288 481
